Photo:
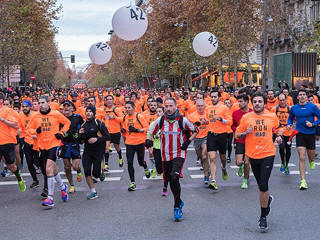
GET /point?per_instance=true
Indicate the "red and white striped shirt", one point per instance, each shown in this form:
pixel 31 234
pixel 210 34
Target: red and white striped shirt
pixel 171 137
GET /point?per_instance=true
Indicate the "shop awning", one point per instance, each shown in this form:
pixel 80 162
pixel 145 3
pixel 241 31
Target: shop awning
pixel 226 77
pixel 203 75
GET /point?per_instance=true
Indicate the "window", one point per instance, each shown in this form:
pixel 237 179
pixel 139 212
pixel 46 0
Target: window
pixel 315 11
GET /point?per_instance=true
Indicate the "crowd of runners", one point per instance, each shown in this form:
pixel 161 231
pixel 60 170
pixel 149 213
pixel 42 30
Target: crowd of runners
pixel 40 126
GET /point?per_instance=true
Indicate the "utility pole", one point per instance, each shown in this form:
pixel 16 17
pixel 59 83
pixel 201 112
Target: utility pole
pixel 263 63
pixel 187 39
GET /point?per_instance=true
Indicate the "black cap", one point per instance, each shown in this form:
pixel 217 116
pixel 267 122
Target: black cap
pixel 69 103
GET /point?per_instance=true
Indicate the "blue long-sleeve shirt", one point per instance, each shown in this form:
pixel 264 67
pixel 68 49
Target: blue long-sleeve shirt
pixel 303 113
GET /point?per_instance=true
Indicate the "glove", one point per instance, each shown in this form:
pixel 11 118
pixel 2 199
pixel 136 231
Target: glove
pixel 185 144
pixel 197 124
pixel 133 129
pixel 59 136
pixel 148 143
pixel 38 130
pixel 123 130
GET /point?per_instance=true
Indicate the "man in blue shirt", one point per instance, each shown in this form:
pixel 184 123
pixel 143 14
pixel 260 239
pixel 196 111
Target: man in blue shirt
pixel 304 114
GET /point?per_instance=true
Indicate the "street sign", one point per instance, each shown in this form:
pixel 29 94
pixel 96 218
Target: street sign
pixel 154 80
pixel 32 77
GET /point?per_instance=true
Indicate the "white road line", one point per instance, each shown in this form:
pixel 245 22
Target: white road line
pixel 110 179
pixel 8 183
pixel 156 178
pixel 279 165
pixel 295 172
pixel 194 168
pixel 197 176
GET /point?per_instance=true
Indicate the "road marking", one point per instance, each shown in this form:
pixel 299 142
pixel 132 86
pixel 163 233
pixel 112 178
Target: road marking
pixel 279 165
pixel 9 183
pixel 156 178
pixel 197 176
pixel 296 172
pixel 110 179
pixel 194 168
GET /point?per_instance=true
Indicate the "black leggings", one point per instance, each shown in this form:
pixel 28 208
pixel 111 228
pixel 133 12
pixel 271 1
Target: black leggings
pixel 91 162
pixel 131 150
pixel 229 143
pixel 285 150
pixel 261 169
pixel 159 167
pixel 30 158
pixel 158 160
pixel 171 173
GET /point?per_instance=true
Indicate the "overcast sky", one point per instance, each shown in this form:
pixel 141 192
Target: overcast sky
pixel 83 23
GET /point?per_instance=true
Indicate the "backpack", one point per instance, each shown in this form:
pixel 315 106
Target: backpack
pixel 185 132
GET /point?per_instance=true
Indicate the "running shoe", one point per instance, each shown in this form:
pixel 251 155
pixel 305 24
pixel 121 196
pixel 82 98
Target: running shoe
pixel 181 175
pixel 106 168
pixel 198 162
pixel 282 168
pixel 312 165
pixel 120 162
pixel 228 160
pixel 224 174
pixel 240 170
pixel 44 193
pixel 206 179
pixel 48 203
pixel 263 226
pixel 35 184
pixel 22 186
pixel 213 185
pixel 165 192
pixel 177 214
pixel 94 180
pixel 154 173
pixel 303 185
pixel 102 177
pixel 72 189
pixel 64 193
pixel 244 184
pixel 287 171
pixel 132 187
pixel 147 173
pixel 79 177
pixel 4 172
pixel 110 149
pixel 92 196
pixel 269 204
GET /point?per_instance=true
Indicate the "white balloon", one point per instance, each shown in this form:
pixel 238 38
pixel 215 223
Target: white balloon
pixel 205 44
pixel 129 23
pixel 100 53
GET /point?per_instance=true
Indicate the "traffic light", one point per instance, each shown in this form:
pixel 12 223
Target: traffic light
pixel 72 58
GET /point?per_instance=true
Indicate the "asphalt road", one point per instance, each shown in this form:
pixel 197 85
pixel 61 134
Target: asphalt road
pixel 230 213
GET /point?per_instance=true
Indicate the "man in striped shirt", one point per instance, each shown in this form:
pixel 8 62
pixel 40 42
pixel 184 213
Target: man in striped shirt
pixel 174 143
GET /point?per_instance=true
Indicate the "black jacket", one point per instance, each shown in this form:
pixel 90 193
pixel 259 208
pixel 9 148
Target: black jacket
pixel 73 133
pixel 95 129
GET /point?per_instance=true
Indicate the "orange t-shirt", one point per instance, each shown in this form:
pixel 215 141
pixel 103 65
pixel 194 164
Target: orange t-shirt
pixel 113 125
pixel 54 106
pixel 133 138
pixel 25 120
pixel 272 104
pixel 283 115
pixel 259 143
pixel 119 101
pixel 7 134
pixel 221 111
pixel 197 117
pixel 50 125
pixel 224 96
pixel 150 118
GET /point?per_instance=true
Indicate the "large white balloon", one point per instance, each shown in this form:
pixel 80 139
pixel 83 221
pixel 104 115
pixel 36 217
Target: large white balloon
pixel 205 44
pixel 129 23
pixel 100 53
